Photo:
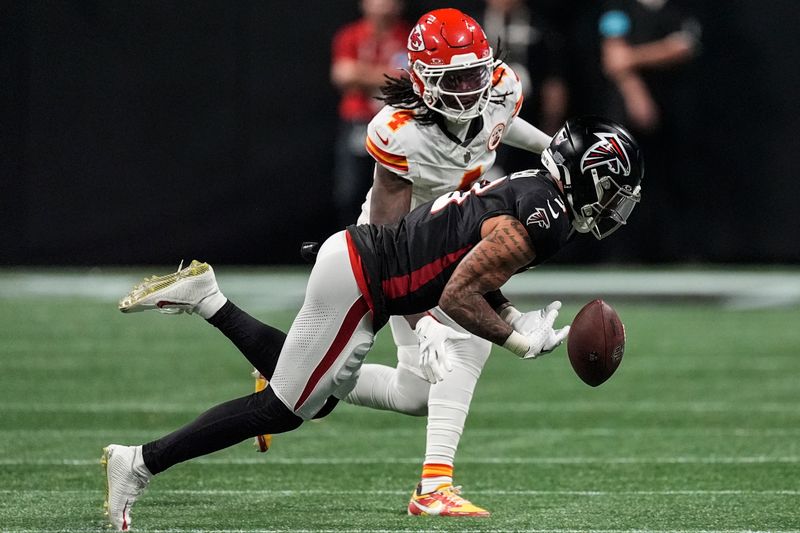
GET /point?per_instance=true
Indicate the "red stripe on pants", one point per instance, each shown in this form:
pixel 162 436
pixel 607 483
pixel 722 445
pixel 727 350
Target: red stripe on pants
pixel 351 320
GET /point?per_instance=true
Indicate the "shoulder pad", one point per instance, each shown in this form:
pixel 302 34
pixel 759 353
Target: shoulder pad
pixel 384 141
pixel 506 82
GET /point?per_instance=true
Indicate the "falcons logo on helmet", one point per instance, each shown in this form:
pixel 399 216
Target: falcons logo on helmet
pixel 607 151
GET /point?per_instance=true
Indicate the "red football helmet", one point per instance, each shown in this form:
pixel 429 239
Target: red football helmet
pixel 451 64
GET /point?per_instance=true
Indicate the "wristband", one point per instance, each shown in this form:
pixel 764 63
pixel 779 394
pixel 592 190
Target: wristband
pixel 517 343
pixel 509 314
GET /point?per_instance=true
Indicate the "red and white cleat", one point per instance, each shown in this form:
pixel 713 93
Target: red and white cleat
pixel 444 501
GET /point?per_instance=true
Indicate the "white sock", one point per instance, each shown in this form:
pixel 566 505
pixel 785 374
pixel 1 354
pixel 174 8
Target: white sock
pixel 448 401
pixel 208 306
pixel 138 466
pixel 445 425
pixel 430 484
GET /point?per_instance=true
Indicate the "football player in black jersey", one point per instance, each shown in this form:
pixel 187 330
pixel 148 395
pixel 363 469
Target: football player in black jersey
pixel 456 251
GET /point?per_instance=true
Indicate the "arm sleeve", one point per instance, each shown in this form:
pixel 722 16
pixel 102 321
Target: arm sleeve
pixel 523 134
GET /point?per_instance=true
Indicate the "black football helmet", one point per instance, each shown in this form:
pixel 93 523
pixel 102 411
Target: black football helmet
pixel 601 167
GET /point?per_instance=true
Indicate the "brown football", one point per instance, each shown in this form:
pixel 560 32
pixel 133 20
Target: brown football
pixel 596 342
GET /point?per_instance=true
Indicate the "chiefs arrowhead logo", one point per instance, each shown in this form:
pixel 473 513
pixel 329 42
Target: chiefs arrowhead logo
pixel 415 42
pixel 607 151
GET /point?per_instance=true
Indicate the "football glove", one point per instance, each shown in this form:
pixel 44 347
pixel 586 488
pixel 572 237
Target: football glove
pixel 433 356
pixel 533 331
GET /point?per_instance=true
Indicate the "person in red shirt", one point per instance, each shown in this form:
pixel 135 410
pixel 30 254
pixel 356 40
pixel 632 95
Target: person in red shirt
pixel 363 51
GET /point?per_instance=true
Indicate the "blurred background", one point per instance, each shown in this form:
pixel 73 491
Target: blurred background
pixel 149 131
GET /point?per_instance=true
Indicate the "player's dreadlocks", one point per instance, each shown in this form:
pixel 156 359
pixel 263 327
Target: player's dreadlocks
pixel 399 92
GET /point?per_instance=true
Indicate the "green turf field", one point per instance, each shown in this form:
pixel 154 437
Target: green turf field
pixel 699 430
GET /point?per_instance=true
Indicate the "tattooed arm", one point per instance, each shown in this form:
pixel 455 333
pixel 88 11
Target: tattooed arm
pixel 504 248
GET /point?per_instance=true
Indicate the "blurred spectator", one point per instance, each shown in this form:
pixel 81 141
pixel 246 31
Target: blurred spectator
pixel 363 51
pixel 646 48
pixel 534 50
pixel 641 38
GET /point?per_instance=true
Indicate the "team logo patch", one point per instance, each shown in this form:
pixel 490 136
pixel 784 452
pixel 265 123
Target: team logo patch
pixel 539 217
pixel 496 136
pixel 415 42
pixel 607 151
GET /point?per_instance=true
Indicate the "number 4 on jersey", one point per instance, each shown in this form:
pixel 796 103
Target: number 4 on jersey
pixel 399 119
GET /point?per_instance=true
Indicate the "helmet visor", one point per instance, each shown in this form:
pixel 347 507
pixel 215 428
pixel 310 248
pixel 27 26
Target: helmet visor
pixel 459 92
pixel 466 91
pixel 465 81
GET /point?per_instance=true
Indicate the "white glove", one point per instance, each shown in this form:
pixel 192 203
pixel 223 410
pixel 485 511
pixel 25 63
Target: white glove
pixel 524 322
pixel 533 333
pixel 433 357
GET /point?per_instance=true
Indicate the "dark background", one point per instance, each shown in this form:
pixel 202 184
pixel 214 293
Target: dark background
pixel 150 131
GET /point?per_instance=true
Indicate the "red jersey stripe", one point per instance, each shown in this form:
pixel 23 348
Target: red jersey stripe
pixel 358 271
pixel 397 162
pixel 351 320
pixel 400 286
pixel 497 75
pixel 518 105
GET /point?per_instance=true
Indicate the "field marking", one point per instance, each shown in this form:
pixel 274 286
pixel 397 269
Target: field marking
pixel 488 492
pixel 758 459
pixel 417 530
pixel 482 407
pixel 484 432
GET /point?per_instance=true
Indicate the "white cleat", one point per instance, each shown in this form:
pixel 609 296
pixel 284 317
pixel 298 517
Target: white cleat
pixel 124 483
pixel 174 293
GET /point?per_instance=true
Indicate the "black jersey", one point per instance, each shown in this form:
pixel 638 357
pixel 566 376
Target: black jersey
pixel 406 266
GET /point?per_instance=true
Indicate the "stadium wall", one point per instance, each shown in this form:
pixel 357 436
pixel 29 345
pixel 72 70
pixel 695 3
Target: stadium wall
pixel 145 132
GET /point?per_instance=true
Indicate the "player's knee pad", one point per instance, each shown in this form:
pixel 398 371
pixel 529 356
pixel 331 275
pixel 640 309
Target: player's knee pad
pixel 411 391
pixel 348 372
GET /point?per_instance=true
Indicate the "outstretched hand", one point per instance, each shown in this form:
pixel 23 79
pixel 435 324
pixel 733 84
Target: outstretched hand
pixel 537 327
pixel 433 348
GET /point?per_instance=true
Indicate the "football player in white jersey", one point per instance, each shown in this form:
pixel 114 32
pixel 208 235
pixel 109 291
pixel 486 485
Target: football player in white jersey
pixel 438 133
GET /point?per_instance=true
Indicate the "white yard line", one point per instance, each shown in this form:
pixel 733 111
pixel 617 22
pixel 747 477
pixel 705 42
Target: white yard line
pixel 482 432
pixel 490 492
pixel 791 407
pixel 708 460
pixel 504 530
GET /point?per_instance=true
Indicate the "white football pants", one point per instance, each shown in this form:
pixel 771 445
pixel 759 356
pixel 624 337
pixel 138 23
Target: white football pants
pixel 403 389
pixel 328 339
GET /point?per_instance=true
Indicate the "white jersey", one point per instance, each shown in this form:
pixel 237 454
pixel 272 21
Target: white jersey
pixel 433 162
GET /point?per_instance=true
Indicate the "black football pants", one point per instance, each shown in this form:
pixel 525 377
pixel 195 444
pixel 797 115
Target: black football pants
pixel 236 420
